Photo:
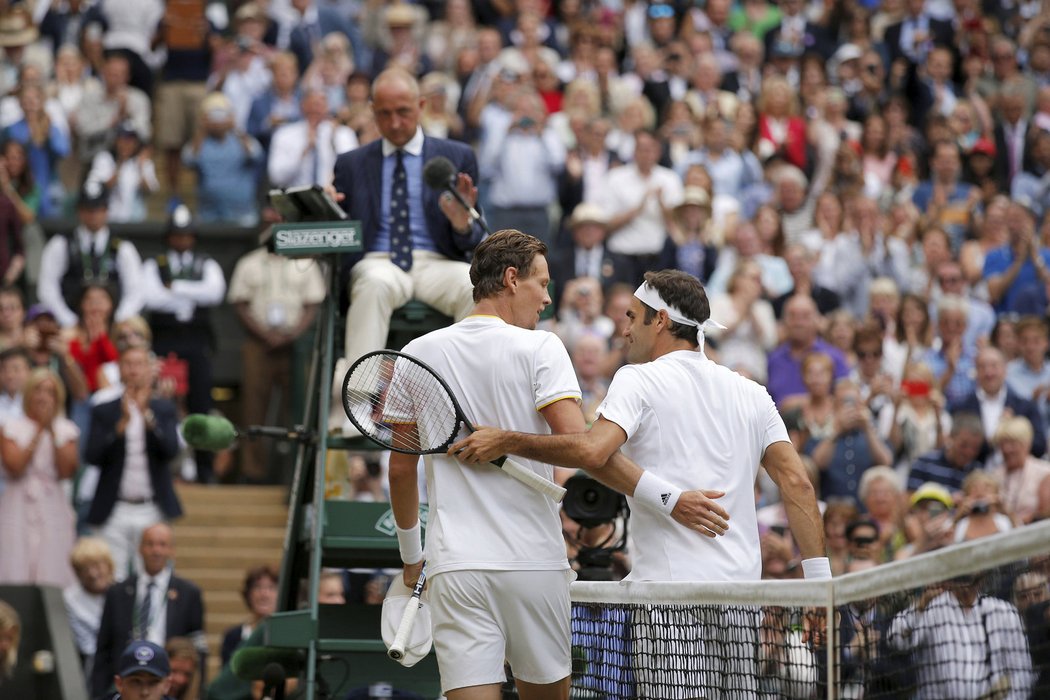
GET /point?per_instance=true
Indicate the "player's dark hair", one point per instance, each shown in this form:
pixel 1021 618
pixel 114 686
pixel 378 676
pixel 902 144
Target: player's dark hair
pixel 492 257
pixel 683 291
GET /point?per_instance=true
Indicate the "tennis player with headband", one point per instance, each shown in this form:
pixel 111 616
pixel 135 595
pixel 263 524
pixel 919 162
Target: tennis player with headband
pixel 496 562
pixel 690 424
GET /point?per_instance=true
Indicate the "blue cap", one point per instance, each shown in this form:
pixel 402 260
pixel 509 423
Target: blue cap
pixel 144 657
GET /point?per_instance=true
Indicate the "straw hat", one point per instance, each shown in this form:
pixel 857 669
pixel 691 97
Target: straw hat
pixel 587 213
pixel 17 29
pixel 400 15
pixel 696 196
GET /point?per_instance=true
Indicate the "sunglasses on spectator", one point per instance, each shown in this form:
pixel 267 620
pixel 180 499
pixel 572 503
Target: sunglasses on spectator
pixel 661 11
pixel 869 354
pixel 864 541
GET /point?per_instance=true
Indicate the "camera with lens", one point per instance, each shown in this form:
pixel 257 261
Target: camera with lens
pixel 980 507
pixel 590 503
pixel 593 505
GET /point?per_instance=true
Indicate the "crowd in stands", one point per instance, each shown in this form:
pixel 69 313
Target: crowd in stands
pixel 863 188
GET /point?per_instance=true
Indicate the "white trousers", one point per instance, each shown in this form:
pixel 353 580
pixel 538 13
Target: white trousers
pixel 378 287
pixel 123 533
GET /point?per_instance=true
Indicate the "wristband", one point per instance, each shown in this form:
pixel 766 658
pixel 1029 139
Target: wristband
pixel 410 544
pixel 656 493
pixel 816 568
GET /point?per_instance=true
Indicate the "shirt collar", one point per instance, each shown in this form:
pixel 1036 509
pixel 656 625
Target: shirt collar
pixel 413 148
pixel 999 398
pixel 161 580
pixel 97 239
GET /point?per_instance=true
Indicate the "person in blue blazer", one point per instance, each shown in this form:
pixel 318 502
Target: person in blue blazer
pixel 132 441
pixel 994 397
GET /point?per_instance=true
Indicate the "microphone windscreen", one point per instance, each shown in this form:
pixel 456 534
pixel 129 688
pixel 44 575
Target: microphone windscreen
pixel 253 663
pixel 203 432
pixel 438 172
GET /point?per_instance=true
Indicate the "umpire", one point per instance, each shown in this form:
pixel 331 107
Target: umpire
pixel 182 285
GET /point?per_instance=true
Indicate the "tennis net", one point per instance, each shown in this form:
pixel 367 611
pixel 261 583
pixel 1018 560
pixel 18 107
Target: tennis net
pixel 968 622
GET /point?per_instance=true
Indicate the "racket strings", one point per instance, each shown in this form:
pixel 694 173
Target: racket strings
pixel 387 394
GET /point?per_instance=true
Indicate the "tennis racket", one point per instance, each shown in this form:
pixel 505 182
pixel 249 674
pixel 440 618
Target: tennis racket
pixel 408 619
pixel 402 404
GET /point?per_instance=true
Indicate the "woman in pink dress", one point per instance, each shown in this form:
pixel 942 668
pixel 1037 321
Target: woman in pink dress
pixel 39 451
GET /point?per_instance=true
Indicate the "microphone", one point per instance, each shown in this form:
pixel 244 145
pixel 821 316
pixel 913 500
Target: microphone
pixel 254 663
pixel 273 679
pixel 440 174
pixel 209 433
pixel 214 433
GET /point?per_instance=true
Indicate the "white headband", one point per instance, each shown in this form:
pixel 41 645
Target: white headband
pixel 650 297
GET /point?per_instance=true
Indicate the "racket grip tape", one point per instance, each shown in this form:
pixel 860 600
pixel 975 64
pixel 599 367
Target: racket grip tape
pixel 404 630
pixel 532 480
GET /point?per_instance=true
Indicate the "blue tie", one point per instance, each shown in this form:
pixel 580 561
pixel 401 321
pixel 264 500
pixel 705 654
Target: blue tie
pixel 400 233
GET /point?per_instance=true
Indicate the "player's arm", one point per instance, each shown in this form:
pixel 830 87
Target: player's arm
pixel 800 500
pixel 404 502
pixel 597 452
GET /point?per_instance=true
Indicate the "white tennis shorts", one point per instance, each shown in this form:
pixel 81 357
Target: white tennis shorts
pixel 482 618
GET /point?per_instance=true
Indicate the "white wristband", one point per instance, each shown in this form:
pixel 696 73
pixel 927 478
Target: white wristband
pixel 817 567
pixel 410 543
pixel 655 493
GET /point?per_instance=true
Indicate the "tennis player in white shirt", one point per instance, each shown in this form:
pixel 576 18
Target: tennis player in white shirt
pixel 496 562
pixel 691 424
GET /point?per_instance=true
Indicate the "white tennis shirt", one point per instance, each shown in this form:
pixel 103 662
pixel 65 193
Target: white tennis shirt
pixel 697 425
pixel 479 517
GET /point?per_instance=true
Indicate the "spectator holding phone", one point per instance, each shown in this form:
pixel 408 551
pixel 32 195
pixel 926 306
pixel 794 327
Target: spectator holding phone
pixel 915 423
pixel 981 510
pixel 47 348
pixel 929 523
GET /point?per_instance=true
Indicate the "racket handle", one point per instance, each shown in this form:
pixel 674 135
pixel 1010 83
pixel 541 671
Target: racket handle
pixel 531 479
pixel 404 630
pixel 408 620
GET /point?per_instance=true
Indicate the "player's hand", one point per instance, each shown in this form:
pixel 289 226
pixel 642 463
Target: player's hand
pixel 411 574
pixel 698 511
pixel 483 445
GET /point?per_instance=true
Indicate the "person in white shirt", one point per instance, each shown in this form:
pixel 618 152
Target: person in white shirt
pixel 691 424
pixel 640 199
pixel 89 254
pixel 966 644
pixel 304 152
pixel 495 556
pixel 182 286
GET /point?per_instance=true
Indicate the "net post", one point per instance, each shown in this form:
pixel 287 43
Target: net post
pixel 831 637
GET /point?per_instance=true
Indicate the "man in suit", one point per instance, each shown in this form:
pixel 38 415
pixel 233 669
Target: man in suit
pixel 132 441
pixel 313 23
pixel 993 400
pixel 912 38
pixel 585 254
pixel 1012 154
pixel 153 606
pixel 797 33
pixel 417 240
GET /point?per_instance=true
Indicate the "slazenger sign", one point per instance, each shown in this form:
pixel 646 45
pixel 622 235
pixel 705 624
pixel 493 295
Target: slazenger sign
pixel 310 239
